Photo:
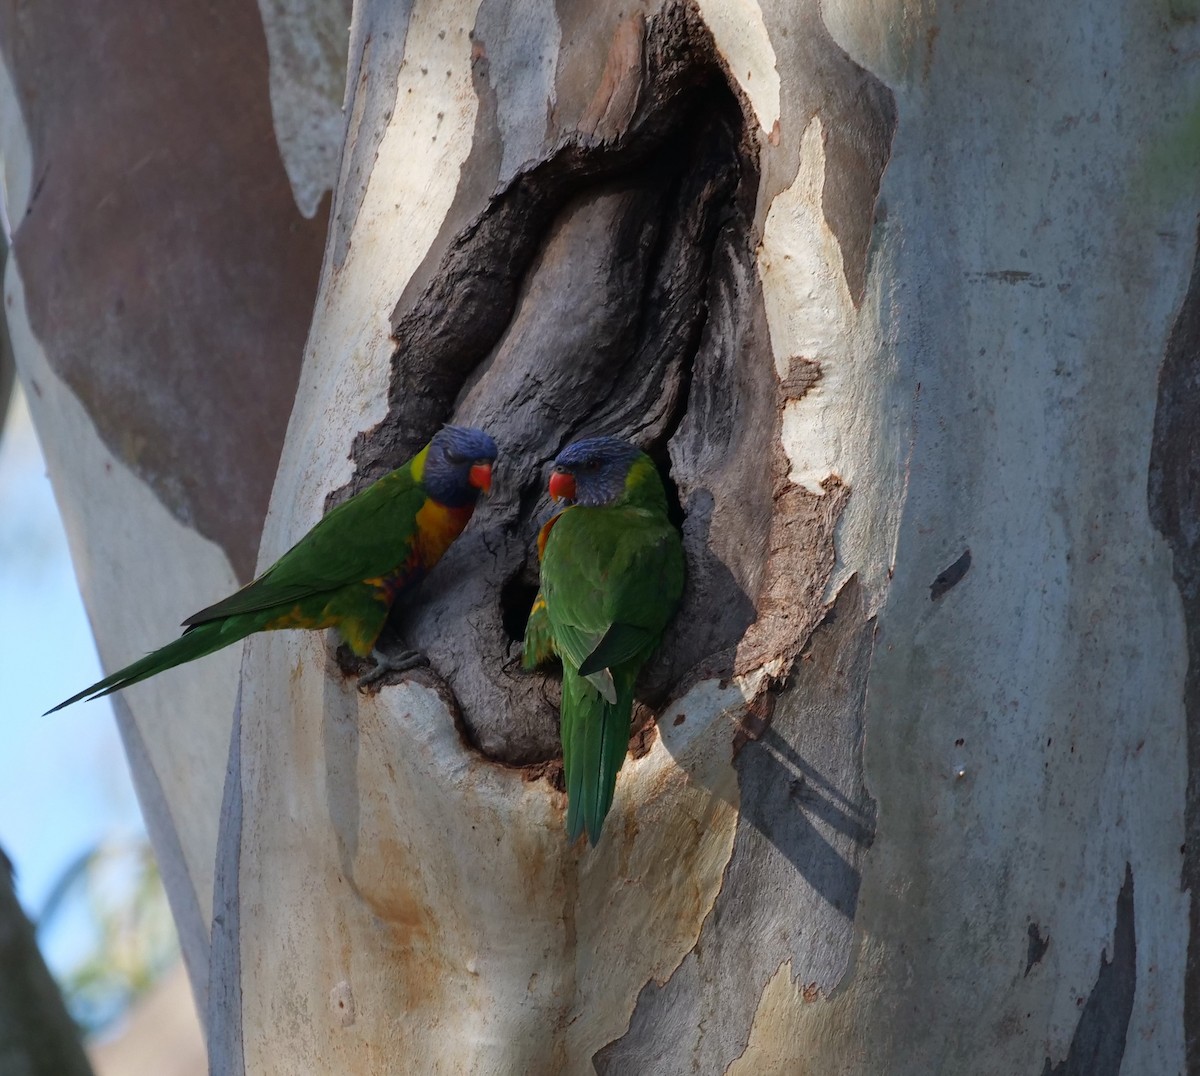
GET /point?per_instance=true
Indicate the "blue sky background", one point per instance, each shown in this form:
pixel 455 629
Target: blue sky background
pixel 64 783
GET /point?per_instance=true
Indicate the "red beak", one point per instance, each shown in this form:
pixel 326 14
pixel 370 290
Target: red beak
pixel 480 476
pixel 562 486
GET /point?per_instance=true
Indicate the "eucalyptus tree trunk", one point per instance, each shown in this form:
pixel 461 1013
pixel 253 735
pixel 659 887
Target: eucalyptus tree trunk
pixel 902 298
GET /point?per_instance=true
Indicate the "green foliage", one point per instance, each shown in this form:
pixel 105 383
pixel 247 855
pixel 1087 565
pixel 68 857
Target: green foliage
pixel 136 941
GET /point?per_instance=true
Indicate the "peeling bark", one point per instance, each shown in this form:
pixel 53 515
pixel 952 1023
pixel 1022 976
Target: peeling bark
pixel 806 822
pixel 1174 500
pixel 1098 1044
pixel 882 290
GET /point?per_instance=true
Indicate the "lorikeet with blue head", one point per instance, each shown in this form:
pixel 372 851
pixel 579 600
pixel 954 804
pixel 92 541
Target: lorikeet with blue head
pixel 350 569
pixel 611 577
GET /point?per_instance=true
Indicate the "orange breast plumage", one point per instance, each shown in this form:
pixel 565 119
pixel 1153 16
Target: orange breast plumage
pixel 437 527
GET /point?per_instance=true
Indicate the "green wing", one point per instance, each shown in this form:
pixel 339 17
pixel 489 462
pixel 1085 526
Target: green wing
pixel 611 578
pixel 621 643
pixel 368 536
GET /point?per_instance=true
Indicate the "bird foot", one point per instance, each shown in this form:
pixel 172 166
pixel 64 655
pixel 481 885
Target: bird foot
pixel 386 663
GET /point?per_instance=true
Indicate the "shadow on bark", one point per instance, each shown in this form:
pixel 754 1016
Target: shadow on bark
pixel 1098 1045
pixel 1173 494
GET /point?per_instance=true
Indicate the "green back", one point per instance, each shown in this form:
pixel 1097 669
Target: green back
pixel 611 579
pixel 366 537
pixel 613 575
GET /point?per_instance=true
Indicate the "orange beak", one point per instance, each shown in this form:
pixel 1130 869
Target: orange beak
pixel 562 486
pixel 480 476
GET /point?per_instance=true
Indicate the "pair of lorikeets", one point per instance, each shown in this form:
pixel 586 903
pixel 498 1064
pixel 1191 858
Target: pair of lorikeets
pixel 611 577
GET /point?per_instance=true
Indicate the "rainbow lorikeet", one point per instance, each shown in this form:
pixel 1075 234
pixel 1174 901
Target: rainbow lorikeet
pixel 611 577
pixel 348 571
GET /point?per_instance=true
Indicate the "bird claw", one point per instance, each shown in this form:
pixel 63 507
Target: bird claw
pixel 386 663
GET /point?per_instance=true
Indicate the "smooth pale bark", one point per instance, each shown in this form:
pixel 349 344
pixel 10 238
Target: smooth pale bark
pixel 157 296
pixel 902 296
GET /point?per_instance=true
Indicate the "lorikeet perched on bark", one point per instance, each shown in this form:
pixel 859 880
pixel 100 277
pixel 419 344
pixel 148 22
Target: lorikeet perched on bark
pixel 347 571
pixel 612 575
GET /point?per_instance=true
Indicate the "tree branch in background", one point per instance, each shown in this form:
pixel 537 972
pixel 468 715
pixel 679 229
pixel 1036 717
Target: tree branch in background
pixel 8 368
pixel 37 1035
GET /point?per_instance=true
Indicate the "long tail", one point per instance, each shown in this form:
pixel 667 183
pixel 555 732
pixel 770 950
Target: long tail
pixel 595 738
pixel 194 643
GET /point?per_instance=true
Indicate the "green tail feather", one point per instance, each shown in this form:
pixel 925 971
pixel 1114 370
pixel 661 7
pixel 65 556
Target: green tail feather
pixel 194 643
pixel 595 737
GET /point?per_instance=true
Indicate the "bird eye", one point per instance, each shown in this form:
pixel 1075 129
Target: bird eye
pixel 591 465
pixel 454 458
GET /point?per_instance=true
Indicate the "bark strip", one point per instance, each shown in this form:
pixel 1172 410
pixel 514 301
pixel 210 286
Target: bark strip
pixel 1174 496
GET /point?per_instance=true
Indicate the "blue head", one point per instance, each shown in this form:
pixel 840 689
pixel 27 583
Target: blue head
pixel 592 472
pixel 458 465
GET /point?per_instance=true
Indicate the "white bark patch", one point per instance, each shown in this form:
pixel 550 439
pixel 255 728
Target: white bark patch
pixel 522 42
pixel 809 310
pixel 343 384
pixel 341 1003
pixel 842 425
pixel 184 716
pixel 742 39
pixel 307 42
